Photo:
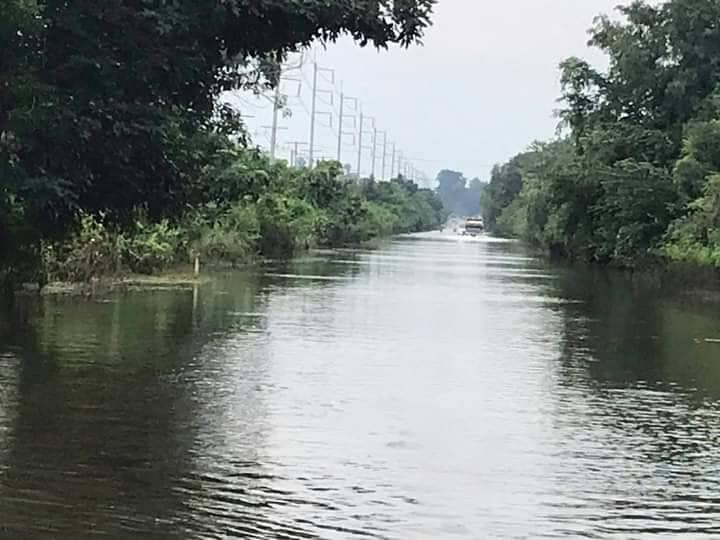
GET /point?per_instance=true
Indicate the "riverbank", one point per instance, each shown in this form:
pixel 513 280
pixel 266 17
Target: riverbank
pixel 634 173
pixel 674 277
pixel 255 208
pixel 172 279
pixel 178 276
pixel 682 280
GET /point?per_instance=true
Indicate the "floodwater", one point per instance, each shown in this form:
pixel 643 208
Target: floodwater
pixel 432 388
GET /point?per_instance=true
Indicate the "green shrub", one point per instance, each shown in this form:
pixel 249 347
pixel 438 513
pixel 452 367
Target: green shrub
pixel 287 224
pixel 255 206
pixel 149 247
pixel 227 235
pixel 90 252
pixel 345 221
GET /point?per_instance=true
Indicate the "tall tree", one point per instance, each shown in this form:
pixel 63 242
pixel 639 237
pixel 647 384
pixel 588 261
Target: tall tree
pixel 125 107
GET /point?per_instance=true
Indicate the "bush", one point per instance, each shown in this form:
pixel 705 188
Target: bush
pixel 287 224
pixel 227 235
pixel 90 252
pixel 150 247
pixel 346 222
pixel 696 237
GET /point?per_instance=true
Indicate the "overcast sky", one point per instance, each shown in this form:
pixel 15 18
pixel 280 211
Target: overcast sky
pixel 480 90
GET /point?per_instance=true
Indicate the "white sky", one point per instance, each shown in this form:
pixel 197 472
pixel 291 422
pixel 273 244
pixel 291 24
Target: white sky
pixel 480 90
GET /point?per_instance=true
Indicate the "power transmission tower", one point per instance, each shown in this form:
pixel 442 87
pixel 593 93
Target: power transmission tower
pixel 384 155
pixel 313 112
pixel 374 151
pixel 341 119
pixel 361 132
pixel 392 163
pixel 360 141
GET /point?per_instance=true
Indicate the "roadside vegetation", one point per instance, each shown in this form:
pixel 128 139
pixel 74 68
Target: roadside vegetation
pixel 636 173
pixel 254 207
pixel 115 155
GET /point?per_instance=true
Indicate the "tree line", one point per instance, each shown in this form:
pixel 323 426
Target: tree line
pixel 110 129
pixel 460 197
pixel 636 171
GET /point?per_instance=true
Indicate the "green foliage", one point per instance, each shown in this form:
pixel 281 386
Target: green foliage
pixel 275 211
pixel 112 108
pixel 633 211
pixel 287 224
pixel 91 251
pixel 227 234
pixel 149 247
pixel 640 172
pixel 506 182
pixel 129 90
pixel 322 186
pixel 241 174
pixel 696 236
pixel 414 209
pixel 95 250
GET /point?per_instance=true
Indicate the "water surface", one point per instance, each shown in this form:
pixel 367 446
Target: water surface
pixel 433 388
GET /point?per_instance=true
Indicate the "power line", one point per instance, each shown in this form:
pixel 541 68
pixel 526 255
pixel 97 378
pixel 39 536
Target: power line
pixel 328 100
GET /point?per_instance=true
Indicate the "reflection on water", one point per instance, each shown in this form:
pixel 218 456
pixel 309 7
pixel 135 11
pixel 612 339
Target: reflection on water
pixel 429 389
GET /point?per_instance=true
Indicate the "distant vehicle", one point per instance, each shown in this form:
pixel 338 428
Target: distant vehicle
pixel 474 226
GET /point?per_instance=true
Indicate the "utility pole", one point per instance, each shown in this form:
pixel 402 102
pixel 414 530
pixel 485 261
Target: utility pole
pixel 384 155
pixel 392 163
pixel 294 156
pixel 340 127
pixel 276 110
pixel 343 99
pixel 312 114
pixel 295 152
pixel 274 128
pixel 361 131
pixel 374 150
pixel 277 99
pixel 360 141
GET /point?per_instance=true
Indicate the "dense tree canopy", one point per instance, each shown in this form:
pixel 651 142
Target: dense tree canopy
pixel 637 173
pixel 104 100
pixel 110 106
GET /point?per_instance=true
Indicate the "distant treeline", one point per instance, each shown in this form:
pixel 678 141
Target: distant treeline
pixel 638 172
pixel 459 196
